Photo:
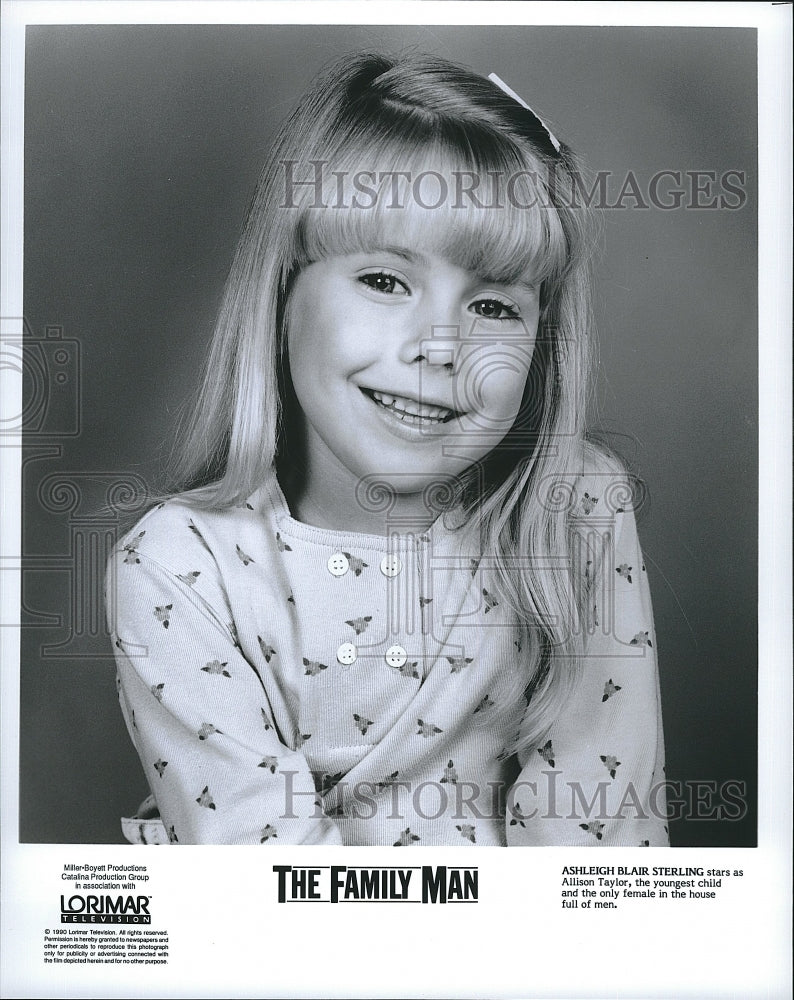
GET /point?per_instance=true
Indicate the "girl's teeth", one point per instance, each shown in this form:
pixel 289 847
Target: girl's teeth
pixel 404 407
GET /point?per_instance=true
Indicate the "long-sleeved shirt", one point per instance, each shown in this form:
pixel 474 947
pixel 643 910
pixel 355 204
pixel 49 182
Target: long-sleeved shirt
pixel 288 684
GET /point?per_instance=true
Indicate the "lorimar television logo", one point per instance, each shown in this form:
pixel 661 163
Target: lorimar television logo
pixel 105 909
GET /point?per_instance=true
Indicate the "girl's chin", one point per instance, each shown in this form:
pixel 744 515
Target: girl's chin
pixel 403 478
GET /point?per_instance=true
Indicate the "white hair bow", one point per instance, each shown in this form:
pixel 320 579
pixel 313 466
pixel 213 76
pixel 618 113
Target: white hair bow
pixel 511 93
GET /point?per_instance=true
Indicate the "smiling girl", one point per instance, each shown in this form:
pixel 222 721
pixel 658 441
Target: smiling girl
pixel 397 598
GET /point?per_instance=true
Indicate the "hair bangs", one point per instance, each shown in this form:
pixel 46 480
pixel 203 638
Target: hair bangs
pixel 485 207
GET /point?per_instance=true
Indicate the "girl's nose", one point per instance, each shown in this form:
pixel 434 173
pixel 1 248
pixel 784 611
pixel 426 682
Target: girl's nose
pixel 433 336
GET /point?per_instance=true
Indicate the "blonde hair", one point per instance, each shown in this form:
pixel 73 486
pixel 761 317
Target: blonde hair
pixel 364 112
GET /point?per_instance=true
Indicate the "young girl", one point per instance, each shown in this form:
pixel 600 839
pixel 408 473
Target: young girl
pixel 398 598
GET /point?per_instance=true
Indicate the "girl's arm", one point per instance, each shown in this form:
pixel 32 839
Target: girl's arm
pixel 599 780
pixel 197 712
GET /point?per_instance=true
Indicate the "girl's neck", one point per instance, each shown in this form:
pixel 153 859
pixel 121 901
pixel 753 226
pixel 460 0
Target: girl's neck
pixel 322 492
pixel 331 498
pixel 340 507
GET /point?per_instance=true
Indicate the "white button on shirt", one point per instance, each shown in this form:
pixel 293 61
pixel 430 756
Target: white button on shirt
pixel 338 564
pixel 347 653
pixel 391 565
pixel 396 656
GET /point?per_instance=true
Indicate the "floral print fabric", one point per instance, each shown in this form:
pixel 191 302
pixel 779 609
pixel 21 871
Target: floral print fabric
pixel 284 684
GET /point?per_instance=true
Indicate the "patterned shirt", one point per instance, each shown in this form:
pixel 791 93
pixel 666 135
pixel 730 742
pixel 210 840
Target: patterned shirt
pixel 288 684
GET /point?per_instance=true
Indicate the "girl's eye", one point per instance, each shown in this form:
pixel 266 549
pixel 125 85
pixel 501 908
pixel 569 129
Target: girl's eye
pixel 494 309
pixel 380 281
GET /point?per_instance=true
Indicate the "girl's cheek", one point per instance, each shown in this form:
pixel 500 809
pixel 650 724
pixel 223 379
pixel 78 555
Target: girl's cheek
pixel 492 379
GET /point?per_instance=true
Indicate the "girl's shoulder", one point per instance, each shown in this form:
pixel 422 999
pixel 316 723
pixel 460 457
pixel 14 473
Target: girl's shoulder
pixel 180 525
pixel 602 486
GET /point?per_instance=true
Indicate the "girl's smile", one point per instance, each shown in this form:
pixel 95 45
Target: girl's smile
pixel 410 412
pixel 406 367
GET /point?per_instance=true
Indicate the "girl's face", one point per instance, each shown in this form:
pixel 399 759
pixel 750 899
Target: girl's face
pixel 407 367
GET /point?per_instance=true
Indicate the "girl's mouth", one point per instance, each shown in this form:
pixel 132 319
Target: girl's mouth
pixel 411 411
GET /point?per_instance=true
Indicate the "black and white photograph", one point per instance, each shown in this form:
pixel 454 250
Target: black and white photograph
pixel 388 419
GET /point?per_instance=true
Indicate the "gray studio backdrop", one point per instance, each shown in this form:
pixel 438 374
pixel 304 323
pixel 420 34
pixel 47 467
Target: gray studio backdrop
pixel 142 147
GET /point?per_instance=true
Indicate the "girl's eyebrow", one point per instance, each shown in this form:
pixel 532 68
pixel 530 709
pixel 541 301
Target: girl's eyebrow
pixel 526 284
pixel 397 251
